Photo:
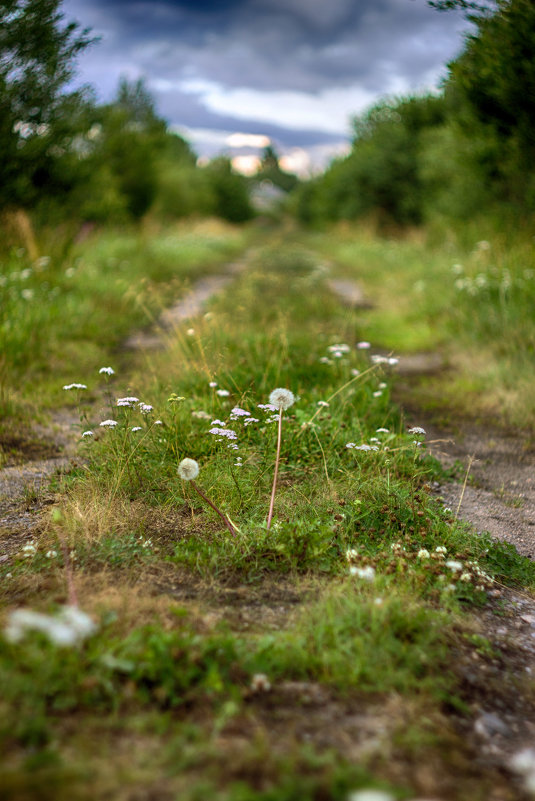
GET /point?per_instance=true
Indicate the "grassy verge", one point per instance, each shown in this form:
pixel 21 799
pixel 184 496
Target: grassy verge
pixel 468 296
pixel 303 658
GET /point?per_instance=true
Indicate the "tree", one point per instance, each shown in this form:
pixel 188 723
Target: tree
pixel 37 54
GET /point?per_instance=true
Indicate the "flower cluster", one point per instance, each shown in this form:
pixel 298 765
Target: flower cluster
pixel 66 629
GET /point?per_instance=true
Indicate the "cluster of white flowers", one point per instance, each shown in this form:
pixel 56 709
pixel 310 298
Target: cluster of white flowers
pixel 223 393
pixel 523 763
pixel 74 386
pixel 108 424
pixel 365 573
pixel 66 629
pixel 128 401
pixel 107 371
pixel 338 350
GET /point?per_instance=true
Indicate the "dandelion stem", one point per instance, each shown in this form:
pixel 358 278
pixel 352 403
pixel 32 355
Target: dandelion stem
pixel 277 457
pixel 225 519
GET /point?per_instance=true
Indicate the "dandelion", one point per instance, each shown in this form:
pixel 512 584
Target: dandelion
pixel 188 470
pixel 107 371
pixel 108 424
pixel 74 386
pixel 223 393
pixel 88 434
pixel 281 399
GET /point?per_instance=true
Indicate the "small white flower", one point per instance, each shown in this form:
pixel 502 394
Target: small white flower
pixel 27 294
pixel 136 428
pixel 325 360
pixel 145 408
pixel 377 393
pixel 363 447
pixel 363 345
pixel 282 398
pixel 339 348
pixel 130 401
pixel 350 445
pixel 454 565
pixel 218 423
pixel 441 549
pixel 223 432
pixel 267 407
pixel 237 412
pixel 223 393
pixel 392 361
pixel 378 359
pixel 51 554
pixel 190 332
pixel 213 384
pixel 370 795
pixel 74 386
pixel 251 420
pixel 201 415
pixel 322 403
pixel 465 577
pixel 158 423
pixel 87 434
pixel 423 553
pixel 355 372
pixel 107 370
pixel 416 430
pixel 29 549
pixel 260 683
pixel 352 554
pixel 382 431
pixel 70 627
pixel 382 385
pixel 108 423
pixel 365 573
pixel 188 469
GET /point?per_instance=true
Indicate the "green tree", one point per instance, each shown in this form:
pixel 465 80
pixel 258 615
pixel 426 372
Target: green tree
pixel 37 55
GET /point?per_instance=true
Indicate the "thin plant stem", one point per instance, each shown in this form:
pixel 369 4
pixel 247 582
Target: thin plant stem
pixel 225 519
pixel 69 574
pixel 471 461
pixel 277 457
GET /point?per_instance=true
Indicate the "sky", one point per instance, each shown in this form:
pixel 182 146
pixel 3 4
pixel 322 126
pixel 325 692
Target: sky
pixel 292 73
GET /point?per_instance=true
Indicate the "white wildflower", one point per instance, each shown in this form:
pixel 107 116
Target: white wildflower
pixel 107 370
pixel 158 423
pixel 441 549
pixel 250 420
pixel 145 408
pixel 127 401
pixel 352 554
pixel 223 393
pixel 70 627
pixel 213 384
pixel 322 403
pixel 260 683
pixel 416 430
pixel 365 573
pixel 363 345
pixel 355 372
pixel 201 415
pixel 370 795
pixel 465 577
pixel 377 393
pixel 223 432
pixel 218 422
pixel 237 412
pixel 188 469
pixel 392 361
pixel 339 348
pixel 423 553
pixel 282 398
pixel 136 428
pixel 382 431
pixel 87 434
pixel 378 359
pixel 350 445
pixel 454 565
pixel 108 424
pixel 267 407
pixel 325 360
pixel 74 386
pixel 51 554
pixel 190 332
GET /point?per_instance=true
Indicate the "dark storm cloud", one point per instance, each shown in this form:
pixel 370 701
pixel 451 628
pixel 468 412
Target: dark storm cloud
pixel 230 63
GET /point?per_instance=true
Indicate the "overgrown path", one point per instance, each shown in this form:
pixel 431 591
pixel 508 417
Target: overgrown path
pixel 287 735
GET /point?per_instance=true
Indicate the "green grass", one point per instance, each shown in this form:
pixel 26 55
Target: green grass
pixel 353 593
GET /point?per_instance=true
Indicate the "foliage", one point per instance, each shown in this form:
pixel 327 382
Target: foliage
pixel 37 53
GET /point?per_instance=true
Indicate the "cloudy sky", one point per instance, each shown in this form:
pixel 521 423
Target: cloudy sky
pixel 294 71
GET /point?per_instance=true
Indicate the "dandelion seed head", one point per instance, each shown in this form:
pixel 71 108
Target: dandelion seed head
pixel 282 398
pixel 188 469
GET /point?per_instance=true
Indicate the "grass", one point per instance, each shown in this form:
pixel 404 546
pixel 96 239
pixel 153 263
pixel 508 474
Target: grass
pixel 468 295
pixel 304 658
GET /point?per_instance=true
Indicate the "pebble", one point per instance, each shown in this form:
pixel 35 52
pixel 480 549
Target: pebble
pixel 488 724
